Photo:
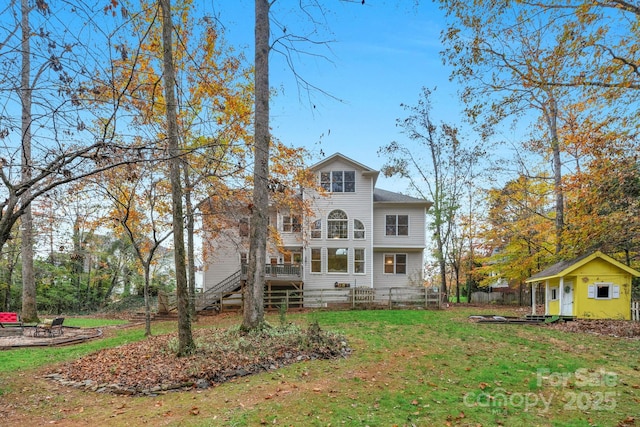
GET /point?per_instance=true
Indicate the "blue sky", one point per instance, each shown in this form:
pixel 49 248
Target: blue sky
pixel 384 53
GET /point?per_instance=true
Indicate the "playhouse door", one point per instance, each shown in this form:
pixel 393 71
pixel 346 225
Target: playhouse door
pixel 567 300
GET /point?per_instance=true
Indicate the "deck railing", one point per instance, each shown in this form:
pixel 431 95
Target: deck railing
pixel 285 271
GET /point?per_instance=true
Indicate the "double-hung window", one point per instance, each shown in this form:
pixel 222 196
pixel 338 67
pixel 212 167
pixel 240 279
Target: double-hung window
pixel 291 224
pixel 316 229
pixel 397 225
pixel 358 229
pixel 395 263
pixel 316 260
pixel 358 261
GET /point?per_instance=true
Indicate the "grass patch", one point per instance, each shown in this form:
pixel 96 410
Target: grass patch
pixel 407 368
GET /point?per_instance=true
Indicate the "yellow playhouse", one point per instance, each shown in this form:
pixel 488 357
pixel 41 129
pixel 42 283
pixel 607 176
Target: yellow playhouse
pixel 593 286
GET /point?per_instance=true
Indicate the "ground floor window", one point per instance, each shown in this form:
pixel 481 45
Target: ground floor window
pixel 395 263
pixel 337 260
pixel 316 260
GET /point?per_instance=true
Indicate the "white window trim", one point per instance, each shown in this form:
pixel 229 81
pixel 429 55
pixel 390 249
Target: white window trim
pixel 344 171
pixel 311 260
pixel 557 291
pixel 364 261
pixel 340 247
pixel 313 228
pixel 291 223
pixel 363 230
pixel 403 236
pixel 614 291
pixel 395 263
pixel 332 221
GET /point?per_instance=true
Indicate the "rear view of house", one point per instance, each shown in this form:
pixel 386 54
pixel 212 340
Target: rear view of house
pixel 353 235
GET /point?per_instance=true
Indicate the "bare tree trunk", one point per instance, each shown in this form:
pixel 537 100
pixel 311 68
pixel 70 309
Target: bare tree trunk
pixel 29 310
pixel 551 113
pixel 191 267
pixel 185 337
pixel 253 316
pixel 147 303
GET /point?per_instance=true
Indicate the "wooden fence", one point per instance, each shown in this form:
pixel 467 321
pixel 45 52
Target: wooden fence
pixel 360 297
pixel 635 311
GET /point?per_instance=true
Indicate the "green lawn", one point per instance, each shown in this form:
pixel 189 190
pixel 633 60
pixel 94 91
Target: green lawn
pixel 422 368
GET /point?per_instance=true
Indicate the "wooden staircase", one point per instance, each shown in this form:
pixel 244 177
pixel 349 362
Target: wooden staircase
pixel 212 297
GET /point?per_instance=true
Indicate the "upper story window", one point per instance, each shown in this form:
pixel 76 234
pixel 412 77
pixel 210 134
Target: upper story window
pixel 316 229
pixel 243 227
pixel 338 181
pixel 397 225
pixel 358 229
pixel 337 225
pixel 291 224
pixel 358 261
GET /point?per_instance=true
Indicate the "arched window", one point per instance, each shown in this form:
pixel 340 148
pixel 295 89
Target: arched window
pixel 337 225
pixel 358 229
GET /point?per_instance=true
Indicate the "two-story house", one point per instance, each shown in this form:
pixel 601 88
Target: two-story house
pixel 354 235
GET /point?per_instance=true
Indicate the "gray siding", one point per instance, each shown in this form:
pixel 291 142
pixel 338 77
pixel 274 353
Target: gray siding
pixel 357 205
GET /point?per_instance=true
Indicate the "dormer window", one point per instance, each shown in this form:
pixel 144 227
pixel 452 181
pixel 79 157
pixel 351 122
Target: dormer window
pixel 338 181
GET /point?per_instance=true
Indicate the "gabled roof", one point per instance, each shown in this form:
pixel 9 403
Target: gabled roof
pixel 564 268
pixel 366 170
pixel 384 196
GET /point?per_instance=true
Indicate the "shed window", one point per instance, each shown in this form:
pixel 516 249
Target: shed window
pixel 603 291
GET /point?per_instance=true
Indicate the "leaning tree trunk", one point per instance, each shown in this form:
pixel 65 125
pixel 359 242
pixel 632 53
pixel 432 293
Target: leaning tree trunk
pixel 185 337
pixel 29 310
pixel 253 315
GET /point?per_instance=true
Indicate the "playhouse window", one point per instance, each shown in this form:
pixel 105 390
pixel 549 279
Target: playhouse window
pixel 603 291
pixel 553 294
